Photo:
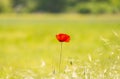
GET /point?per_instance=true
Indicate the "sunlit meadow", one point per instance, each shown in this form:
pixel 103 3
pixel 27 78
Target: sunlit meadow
pixel 30 50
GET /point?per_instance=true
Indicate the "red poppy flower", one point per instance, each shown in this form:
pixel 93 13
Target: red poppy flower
pixel 63 37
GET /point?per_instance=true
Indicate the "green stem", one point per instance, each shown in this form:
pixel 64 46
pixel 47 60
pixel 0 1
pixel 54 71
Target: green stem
pixel 60 58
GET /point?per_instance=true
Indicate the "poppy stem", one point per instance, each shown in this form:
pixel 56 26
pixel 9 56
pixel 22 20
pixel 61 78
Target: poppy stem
pixel 60 58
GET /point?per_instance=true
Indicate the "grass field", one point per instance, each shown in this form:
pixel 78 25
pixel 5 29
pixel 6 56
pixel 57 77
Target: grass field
pixel 29 49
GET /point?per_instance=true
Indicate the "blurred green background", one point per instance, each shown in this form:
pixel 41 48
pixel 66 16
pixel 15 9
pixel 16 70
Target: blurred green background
pixel 29 48
pixel 58 6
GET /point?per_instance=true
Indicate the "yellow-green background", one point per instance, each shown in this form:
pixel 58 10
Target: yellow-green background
pixel 29 48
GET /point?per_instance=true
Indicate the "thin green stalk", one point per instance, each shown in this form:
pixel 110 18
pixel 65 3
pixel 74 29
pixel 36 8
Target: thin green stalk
pixel 60 62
